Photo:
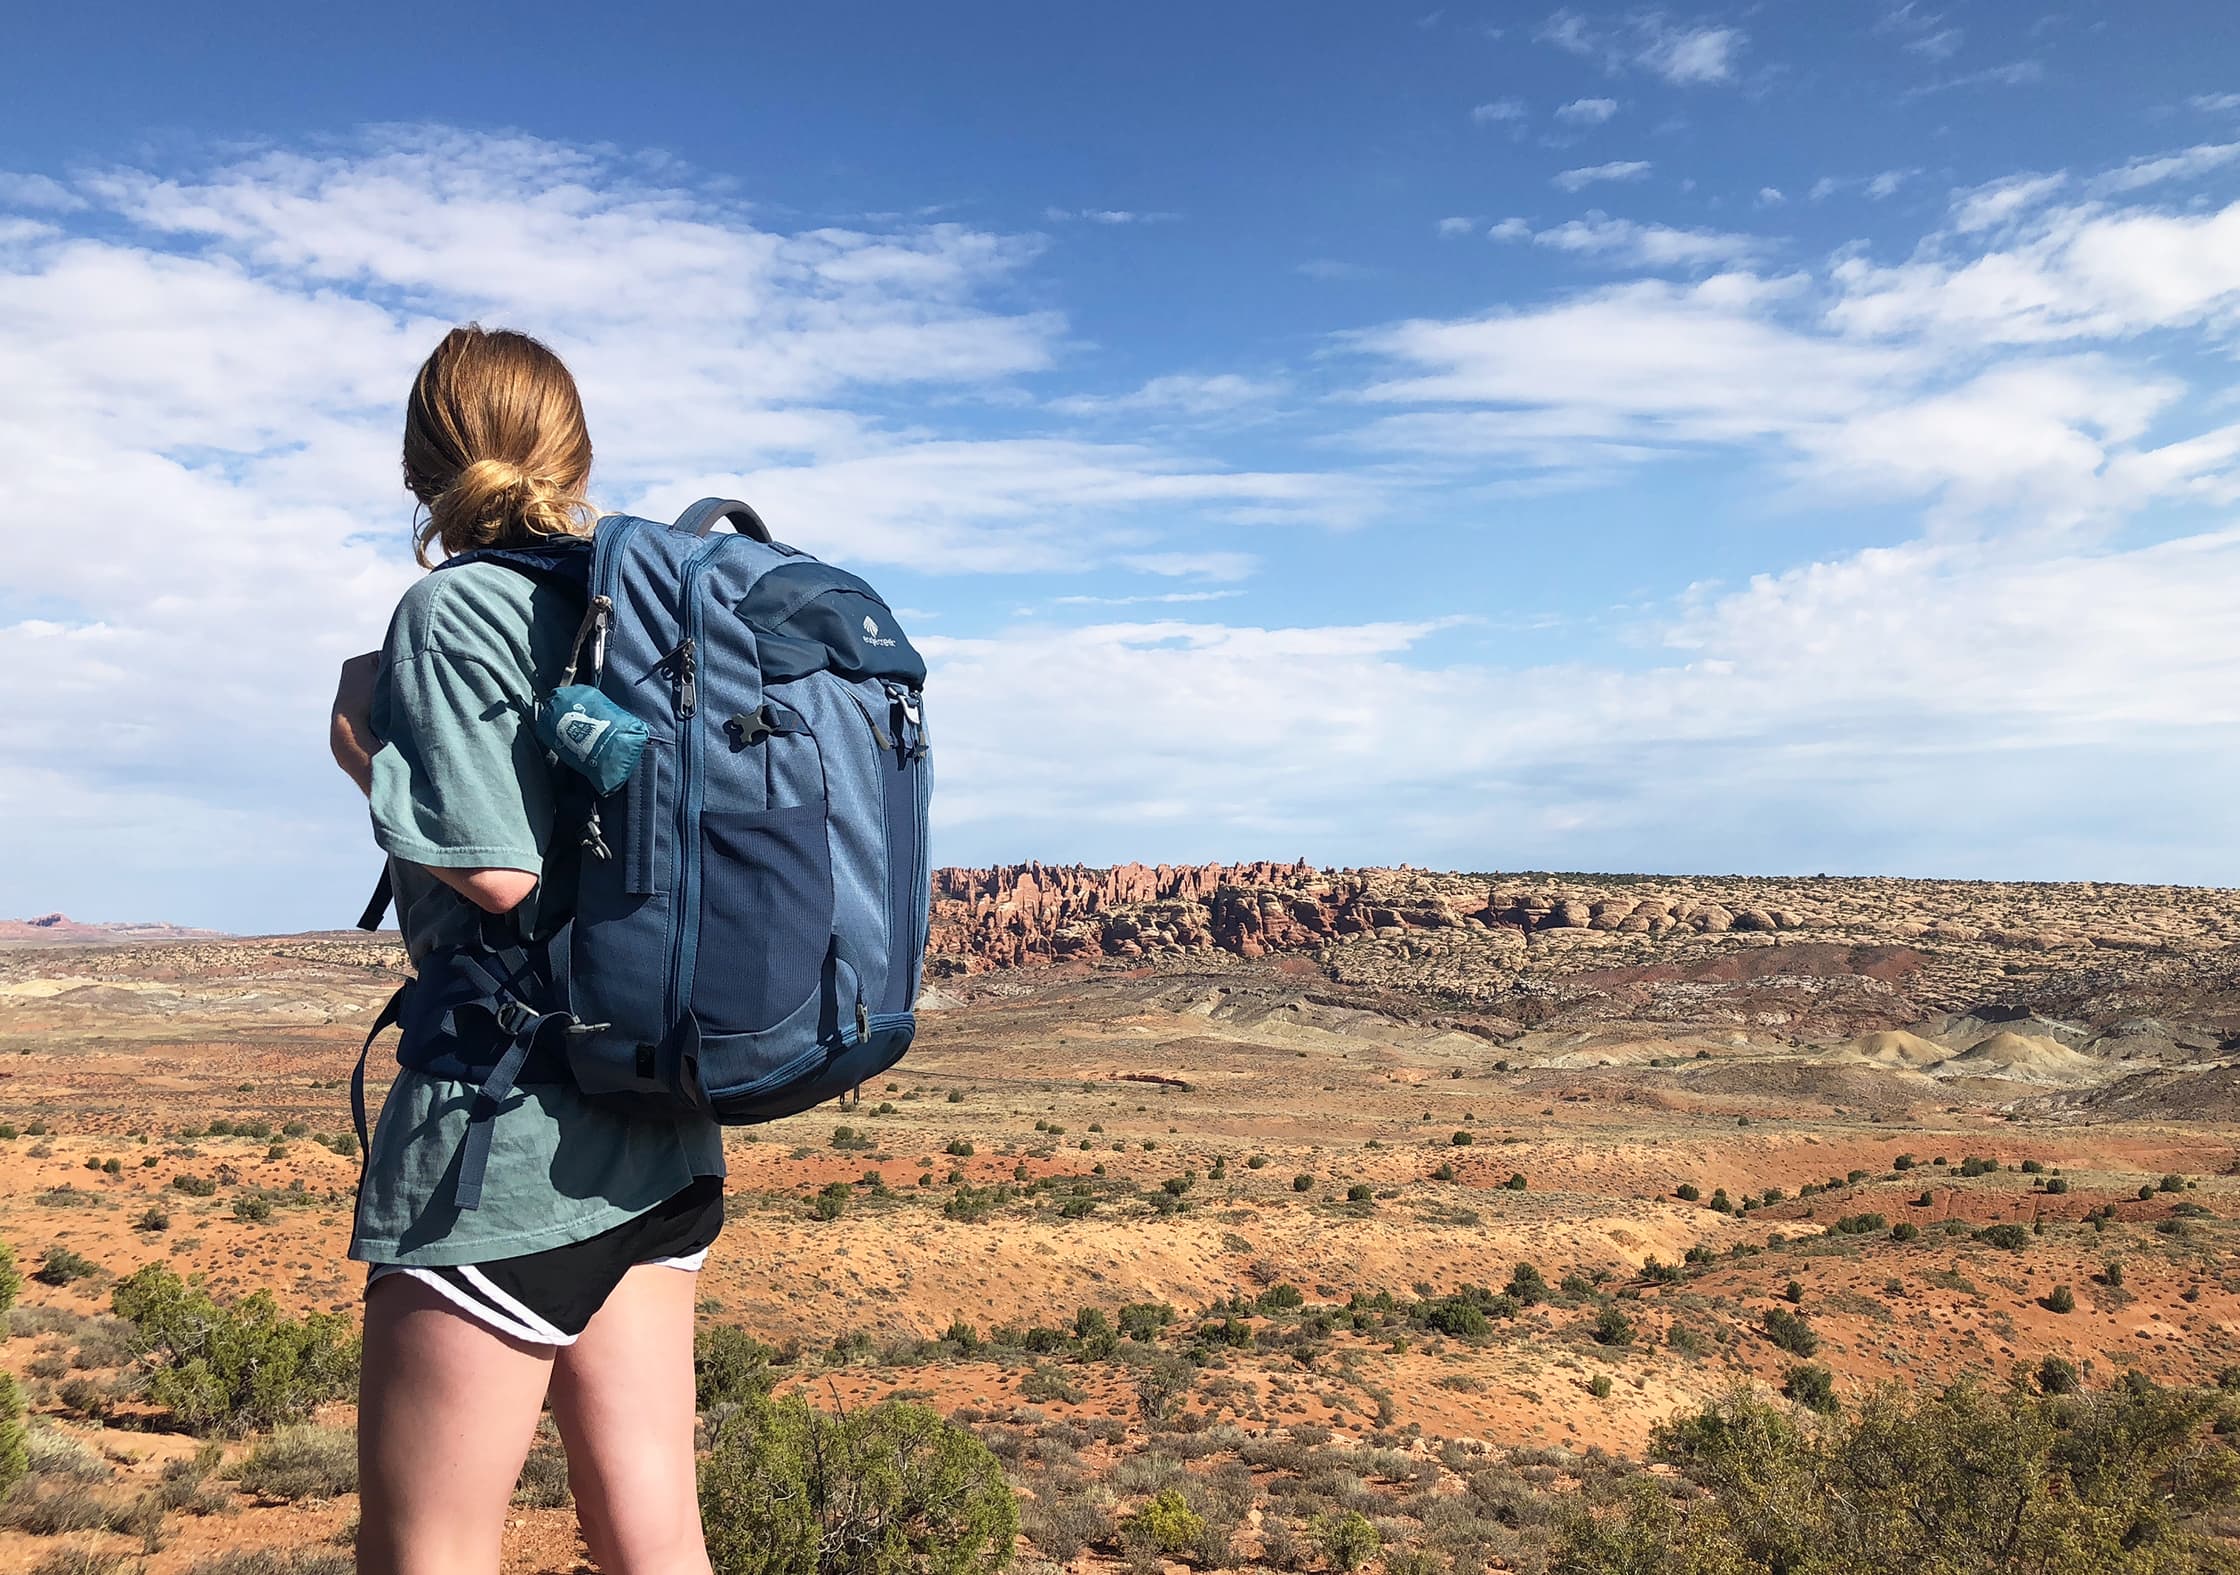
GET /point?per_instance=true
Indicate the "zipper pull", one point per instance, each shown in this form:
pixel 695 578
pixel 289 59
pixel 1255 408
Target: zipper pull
pixel 688 680
pixel 863 1021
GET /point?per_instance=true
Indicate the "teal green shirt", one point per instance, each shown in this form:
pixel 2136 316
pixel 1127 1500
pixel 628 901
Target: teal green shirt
pixel 461 782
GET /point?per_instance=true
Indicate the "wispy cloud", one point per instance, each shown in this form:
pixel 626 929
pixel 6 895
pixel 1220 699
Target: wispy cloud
pixel 2185 164
pixel 1456 224
pixel 1181 394
pixel 2015 73
pixel 1681 54
pixel 2214 103
pixel 1107 216
pixel 1500 111
pixel 1651 246
pixel 1593 174
pixel 1587 111
pixel 1925 33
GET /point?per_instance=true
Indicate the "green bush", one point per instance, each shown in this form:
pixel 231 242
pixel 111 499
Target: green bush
pixel 1601 1386
pixel 958 1148
pixel 1811 1386
pixel 1167 1524
pixel 195 1186
pixel 61 1266
pixel 1791 1331
pixel 11 1283
pixel 729 1366
pixel 1613 1327
pixel 2060 1299
pixel 1688 1192
pixel 15 1448
pixel 233 1367
pixel 1349 1540
pixel 832 1200
pixel 1302 1183
pixel 1965 1482
pixel 2011 1236
pixel 890 1489
pixel 302 1463
pixel 1361 1192
pixel 1905 1230
pixel 1462 1140
pixel 1516 1181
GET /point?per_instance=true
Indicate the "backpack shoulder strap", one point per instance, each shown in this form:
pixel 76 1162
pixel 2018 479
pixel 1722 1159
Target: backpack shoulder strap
pixel 562 561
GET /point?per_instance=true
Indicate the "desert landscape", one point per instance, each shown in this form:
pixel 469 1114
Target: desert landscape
pixel 1255 1216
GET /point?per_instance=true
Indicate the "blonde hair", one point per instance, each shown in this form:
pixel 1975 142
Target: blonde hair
pixel 494 444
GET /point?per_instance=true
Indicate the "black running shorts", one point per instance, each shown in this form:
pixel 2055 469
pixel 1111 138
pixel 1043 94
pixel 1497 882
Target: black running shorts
pixel 548 1298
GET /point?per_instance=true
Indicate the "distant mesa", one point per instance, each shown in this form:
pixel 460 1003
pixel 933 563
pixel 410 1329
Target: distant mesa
pixel 59 929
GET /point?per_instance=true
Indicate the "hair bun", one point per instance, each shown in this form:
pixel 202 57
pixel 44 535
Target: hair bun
pixel 495 446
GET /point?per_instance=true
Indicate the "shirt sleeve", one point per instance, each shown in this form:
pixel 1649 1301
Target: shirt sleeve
pixel 459 781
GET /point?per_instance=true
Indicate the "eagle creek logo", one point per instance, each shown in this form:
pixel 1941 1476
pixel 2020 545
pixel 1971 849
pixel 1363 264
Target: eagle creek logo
pixel 581 731
pixel 871 632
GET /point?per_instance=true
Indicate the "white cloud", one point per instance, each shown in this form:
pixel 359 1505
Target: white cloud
pixel 1511 229
pixel 1588 111
pixel 2014 73
pixel 1183 394
pixel 1192 565
pixel 1770 197
pixel 1925 33
pixel 212 366
pixel 2185 164
pixel 1456 225
pixel 38 191
pixel 2074 273
pixel 1887 183
pixel 1592 174
pixel 1915 704
pixel 1499 112
pixel 1681 54
pixel 1997 202
pixel 1650 246
pixel 1107 216
pixel 1160 598
pixel 2214 103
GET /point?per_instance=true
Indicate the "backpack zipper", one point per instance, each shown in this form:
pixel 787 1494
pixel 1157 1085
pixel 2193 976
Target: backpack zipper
pixel 685 922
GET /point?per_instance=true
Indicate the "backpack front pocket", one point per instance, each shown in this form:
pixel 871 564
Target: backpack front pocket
pixel 765 916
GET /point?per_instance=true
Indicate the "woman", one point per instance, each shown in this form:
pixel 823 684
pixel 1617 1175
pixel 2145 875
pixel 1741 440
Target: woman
pixel 575 1275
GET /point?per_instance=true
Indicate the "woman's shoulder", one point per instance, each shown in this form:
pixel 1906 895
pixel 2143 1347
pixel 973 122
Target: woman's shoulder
pixel 478 612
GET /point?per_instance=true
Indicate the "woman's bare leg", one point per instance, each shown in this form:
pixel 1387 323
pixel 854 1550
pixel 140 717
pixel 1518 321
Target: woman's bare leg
pixel 446 1409
pixel 623 1397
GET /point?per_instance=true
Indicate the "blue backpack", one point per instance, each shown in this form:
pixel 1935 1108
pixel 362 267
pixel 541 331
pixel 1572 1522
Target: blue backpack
pixel 745 824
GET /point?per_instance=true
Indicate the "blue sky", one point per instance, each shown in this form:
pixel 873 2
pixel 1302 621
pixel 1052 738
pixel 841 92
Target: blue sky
pixel 1786 437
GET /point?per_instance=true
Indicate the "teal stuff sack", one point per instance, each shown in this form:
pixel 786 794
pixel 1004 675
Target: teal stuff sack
pixel 588 731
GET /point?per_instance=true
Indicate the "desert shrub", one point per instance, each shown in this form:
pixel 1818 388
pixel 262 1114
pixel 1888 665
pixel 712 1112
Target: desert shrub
pixel 11 1282
pixel 2057 1375
pixel 1302 1183
pixel 276 1561
pixel 154 1217
pixel 233 1367
pixel 1166 1524
pixel 80 1561
pixel 1062 1519
pixel 1600 1386
pixel 1516 1181
pixel 959 1149
pixel 15 1451
pixel 1905 1230
pixel 1528 1285
pixel 61 1266
pixel 1144 1320
pixel 2060 1299
pixel 302 1463
pixel 1161 1384
pixel 2011 1236
pixel 1859 1224
pixel 1360 1192
pixel 1043 1383
pixel 1613 1327
pixel 729 1366
pixel 2057 1184
pixel 1280 1297
pixel 195 1186
pixel 1462 1140
pixel 1348 1539
pixel 832 1199
pixel 1688 1192
pixel 2171 1184
pixel 544 1477
pixel 887 1489
pixel 87 1398
pixel 252 1207
pixel 1964 1481
pixel 1791 1331
pixel 1793 1293
pixel 1811 1386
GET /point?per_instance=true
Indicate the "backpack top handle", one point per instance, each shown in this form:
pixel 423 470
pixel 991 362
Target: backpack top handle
pixel 702 516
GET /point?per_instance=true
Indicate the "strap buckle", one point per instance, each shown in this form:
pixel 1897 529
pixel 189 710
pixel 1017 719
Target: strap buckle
pixel 748 728
pixel 515 1019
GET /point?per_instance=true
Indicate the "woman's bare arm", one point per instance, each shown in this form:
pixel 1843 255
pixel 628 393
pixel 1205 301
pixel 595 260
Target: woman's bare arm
pixel 351 738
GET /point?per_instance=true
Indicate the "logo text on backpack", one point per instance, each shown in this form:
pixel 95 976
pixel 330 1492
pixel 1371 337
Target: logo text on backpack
pixel 871 632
